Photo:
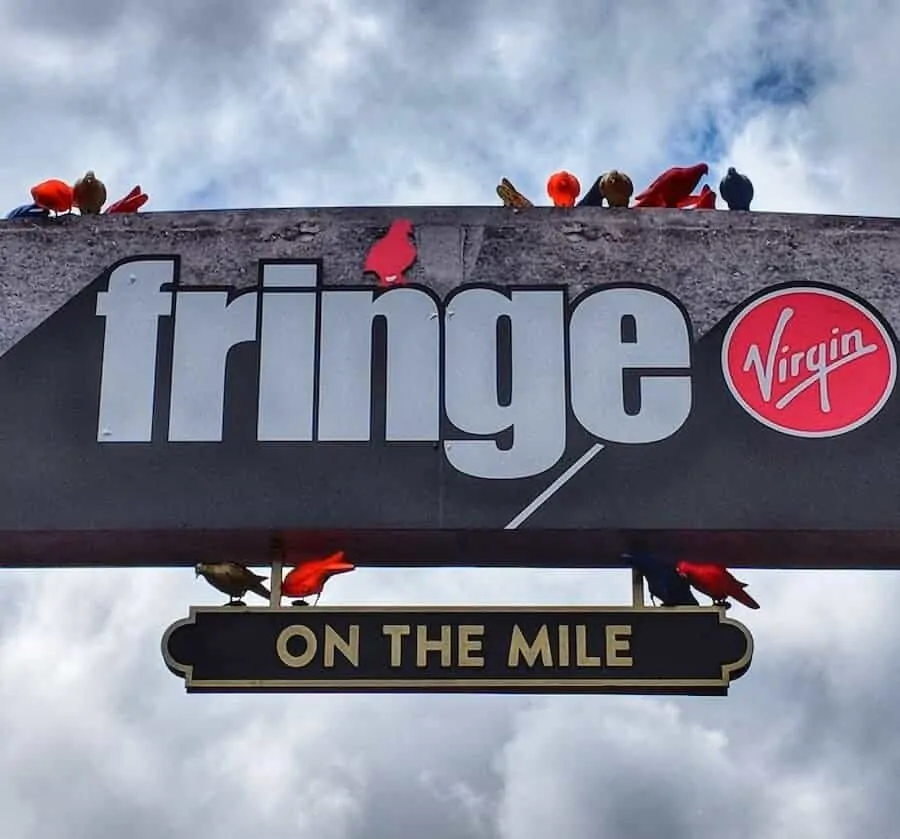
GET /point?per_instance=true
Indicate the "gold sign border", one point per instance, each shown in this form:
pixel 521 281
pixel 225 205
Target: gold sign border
pixel 474 685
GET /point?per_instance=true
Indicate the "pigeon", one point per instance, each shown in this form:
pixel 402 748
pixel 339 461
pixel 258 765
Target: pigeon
pixel 617 188
pixel 663 582
pixel 736 190
pixel 232 579
pixel 90 194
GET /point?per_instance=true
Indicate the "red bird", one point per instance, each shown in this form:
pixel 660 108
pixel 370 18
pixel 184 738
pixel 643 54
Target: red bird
pixel 309 576
pixel 393 254
pixel 716 582
pixel 55 195
pixel 706 200
pixel 672 186
pixel 131 203
pixel 563 188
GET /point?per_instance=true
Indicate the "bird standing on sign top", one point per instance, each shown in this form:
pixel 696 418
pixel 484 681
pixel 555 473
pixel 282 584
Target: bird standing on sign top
pixel 716 582
pixel 54 195
pixel 309 576
pixel 614 186
pixel 704 200
pixel 594 196
pixel 674 185
pixel 736 190
pixel 664 583
pixel 28 211
pixel 393 254
pixel 90 194
pixel 232 579
pixel 131 203
pixel 563 188
pixel 511 197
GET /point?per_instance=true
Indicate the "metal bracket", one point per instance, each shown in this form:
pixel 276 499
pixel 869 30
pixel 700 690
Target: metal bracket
pixel 637 589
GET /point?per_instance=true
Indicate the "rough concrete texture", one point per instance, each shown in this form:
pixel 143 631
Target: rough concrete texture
pixel 709 260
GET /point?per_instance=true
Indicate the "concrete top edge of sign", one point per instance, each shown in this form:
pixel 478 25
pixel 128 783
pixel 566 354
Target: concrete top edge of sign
pixel 488 215
pixel 710 260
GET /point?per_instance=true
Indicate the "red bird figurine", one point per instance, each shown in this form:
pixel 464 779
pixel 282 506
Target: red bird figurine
pixel 672 186
pixel 131 203
pixel 393 254
pixel 716 582
pixel 309 576
pixel 563 188
pixel 55 195
pixel 706 200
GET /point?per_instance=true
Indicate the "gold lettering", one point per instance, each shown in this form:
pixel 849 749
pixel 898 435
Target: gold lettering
pixel 616 645
pixel 520 648
pixel 425 646
pixel 469 645
pixel 563 645
pixel 288 634
pixel 582 659
pixel 348 648
pixel 396 632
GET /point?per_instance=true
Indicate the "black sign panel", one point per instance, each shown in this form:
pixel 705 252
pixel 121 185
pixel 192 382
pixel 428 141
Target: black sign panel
pixel 452 650
pixel 149 421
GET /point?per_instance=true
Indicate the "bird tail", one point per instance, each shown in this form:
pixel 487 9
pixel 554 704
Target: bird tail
pixel 261 590
pixel 742 597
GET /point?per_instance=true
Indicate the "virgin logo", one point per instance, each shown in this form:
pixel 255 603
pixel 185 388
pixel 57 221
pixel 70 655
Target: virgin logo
pixel 810 362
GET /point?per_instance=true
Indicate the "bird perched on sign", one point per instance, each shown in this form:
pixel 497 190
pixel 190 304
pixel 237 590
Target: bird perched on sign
pixel 511 197
pixel 90 194
pixel 54 195
pixel 705 200
pixel 613 186
pixel 28 211
pixel 393 254
pixel 309 576
pixel 594 196
pixel 716 582
pixel 663 582
pixel 131 203
pixel 736 190
pixel 617 188
pixel 671 186
pixel 563 188
pixel 232 579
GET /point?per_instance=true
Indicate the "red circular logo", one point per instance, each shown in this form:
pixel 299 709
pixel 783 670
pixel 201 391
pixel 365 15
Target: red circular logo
pixel 809 362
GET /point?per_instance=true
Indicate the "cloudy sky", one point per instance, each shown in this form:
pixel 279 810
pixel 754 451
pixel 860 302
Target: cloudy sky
pixel 279 103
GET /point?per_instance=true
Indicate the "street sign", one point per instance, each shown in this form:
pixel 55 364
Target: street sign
pixel 581 649
pixel 541 388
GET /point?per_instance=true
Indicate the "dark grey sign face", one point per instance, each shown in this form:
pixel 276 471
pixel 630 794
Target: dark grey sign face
pixel 453 650
pixel 152 421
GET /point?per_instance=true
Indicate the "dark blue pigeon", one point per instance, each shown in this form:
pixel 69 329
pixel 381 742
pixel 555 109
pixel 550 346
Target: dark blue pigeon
pixel 663 581
pixel 593 197
pixel 736 190
pixel 28 211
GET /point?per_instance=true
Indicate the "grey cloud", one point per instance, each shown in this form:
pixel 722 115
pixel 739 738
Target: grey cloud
pixel 110 737
pixel 432 104
pixel 627 768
